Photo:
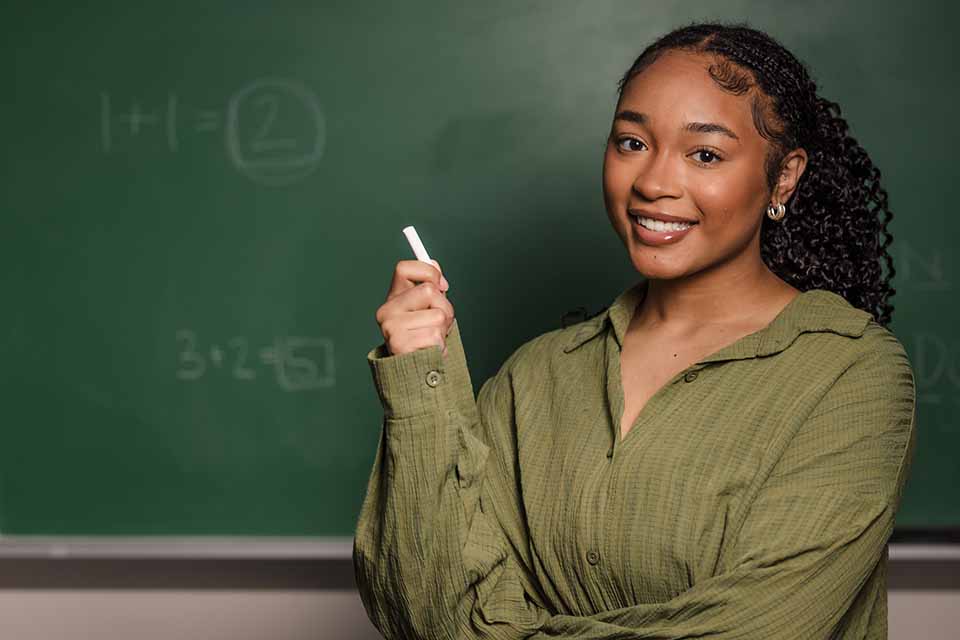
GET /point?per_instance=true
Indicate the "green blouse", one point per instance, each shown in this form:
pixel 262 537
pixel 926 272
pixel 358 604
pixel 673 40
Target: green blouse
pixel 752 498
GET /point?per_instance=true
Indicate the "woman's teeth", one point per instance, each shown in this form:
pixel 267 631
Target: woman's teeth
pixel 659 225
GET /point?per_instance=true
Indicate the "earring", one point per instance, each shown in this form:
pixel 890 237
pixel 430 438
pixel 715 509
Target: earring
pixel 776 212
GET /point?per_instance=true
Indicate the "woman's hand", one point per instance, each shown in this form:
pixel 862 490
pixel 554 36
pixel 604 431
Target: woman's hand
pixel 416 316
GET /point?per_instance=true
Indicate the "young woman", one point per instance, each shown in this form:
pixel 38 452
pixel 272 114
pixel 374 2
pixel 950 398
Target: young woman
pixel 721 452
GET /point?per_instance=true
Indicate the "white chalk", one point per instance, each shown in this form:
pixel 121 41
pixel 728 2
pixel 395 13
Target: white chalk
pixel 420 251
pixel 416 245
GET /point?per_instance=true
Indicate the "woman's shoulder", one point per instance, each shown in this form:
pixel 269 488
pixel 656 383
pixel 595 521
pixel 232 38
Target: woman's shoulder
pixel 880 353
pixel 852 332
pixel 877 337
pixel 869 365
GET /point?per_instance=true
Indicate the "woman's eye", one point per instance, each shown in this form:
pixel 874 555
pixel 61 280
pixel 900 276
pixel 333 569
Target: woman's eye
pixel 708 154
pixel 705 156
pixel 629 144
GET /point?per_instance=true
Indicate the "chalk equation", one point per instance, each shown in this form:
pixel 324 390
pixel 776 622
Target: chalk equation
pixel 273 129
pixel 921 269
pixel 936 368
pixel 298 363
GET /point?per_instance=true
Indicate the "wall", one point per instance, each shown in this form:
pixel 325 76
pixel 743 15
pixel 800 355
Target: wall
pixel 119 599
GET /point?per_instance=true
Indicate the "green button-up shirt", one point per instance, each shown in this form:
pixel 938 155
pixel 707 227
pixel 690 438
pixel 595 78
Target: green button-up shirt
pixel 753 497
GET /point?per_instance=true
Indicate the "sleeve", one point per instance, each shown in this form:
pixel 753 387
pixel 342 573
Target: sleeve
pixel 432 559
pixel 816 529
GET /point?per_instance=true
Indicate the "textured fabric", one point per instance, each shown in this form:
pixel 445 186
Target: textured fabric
pixel 752 498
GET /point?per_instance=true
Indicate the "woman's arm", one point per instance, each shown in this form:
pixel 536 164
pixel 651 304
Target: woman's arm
pixel 814 533
pixel 431 557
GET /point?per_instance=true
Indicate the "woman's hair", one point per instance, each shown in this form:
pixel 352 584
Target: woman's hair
pixel 831 236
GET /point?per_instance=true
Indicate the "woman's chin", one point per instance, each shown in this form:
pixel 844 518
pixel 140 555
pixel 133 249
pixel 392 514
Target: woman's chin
pixel 655 266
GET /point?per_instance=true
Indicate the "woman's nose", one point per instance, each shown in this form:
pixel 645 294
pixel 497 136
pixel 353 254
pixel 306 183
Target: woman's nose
pixel 657 178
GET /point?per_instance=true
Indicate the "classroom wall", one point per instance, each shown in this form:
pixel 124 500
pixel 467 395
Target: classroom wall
pixel 296 600
pixel 298 615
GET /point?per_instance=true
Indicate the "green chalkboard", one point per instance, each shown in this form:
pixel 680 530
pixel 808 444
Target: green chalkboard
pixel 202 206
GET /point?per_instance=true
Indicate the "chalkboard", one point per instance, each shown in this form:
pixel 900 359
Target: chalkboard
pixel 202 206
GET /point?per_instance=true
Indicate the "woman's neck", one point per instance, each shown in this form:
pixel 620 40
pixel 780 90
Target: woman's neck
pixel 689 306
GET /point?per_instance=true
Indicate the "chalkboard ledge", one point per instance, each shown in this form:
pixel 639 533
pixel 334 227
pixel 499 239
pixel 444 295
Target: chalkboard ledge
pixel 177 547
pixel 277 548
pixel 900 551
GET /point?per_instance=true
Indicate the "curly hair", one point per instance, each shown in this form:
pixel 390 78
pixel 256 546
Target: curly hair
pixel 831 236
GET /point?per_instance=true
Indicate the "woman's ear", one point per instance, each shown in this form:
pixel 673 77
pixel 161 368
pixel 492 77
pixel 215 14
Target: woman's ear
pixel 791 168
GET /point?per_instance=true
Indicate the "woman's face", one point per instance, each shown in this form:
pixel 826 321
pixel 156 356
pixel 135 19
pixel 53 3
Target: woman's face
pixel 657 161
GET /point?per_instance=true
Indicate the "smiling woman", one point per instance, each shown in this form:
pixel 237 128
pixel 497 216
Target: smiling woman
pixel 717 125
pixel 722 451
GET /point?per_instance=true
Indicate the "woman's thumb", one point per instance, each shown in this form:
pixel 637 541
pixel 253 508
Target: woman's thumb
pixel 443 281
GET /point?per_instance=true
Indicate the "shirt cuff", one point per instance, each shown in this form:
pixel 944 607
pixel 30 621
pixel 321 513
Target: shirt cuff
pixel 422 381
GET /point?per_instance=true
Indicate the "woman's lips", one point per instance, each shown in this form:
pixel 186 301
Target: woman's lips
pixel 658 238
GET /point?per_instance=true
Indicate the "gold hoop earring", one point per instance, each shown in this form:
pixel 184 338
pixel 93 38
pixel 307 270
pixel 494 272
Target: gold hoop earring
pixel 776 212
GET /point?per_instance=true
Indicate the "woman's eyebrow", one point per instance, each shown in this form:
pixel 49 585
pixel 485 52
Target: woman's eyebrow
pixel 695 127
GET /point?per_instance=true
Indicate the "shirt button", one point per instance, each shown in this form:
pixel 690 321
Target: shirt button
pixel 690 377
pixel 593 557
pixel 433 377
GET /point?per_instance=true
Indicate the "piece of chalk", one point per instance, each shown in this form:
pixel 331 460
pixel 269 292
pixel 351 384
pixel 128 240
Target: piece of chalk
pixel 415 244
pixel 421 252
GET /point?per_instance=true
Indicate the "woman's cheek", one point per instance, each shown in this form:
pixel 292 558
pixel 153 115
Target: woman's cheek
pixel 716 203
pixel 616 187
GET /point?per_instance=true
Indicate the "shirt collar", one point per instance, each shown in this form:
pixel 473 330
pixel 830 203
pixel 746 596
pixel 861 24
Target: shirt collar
pixel 815 310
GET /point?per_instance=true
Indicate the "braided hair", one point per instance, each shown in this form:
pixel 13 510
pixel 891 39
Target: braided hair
pixel 831 236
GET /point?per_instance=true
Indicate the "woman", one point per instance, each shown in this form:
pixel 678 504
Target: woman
pixel 720 453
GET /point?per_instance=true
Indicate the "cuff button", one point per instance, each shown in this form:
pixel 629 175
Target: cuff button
pixel 433 377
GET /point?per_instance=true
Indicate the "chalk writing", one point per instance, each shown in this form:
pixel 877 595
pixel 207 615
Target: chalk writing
pixel 922 270
pixel 274 130
pixel 298 363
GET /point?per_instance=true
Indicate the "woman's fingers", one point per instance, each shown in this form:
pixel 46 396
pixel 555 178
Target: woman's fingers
pixel 410 273
pixel 416 313
pixel 407 332
pixel 444 285
pixel 422 296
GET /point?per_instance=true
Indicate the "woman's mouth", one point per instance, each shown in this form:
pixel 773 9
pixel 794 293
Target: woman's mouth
pixel 657 232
